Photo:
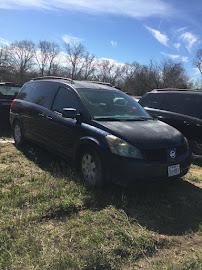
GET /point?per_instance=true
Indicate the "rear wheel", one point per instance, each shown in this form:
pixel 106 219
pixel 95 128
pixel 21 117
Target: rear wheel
pixel 91 168
pixel 18 134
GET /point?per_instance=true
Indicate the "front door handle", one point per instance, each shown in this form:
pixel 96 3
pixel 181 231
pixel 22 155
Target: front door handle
pixel 186 123
pixel 58 113
pixel 41 115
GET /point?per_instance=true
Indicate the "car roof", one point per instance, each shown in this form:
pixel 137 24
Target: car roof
pixel 176 91
pixel 9 84
pixel 77 84
pixel 92 85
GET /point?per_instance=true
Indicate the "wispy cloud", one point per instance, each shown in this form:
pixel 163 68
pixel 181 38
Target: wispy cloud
pixel 62 59
pixel 110 60
pixel 176 57
pixel 71 39
pixel 160 37
pixel 189 40
pixel 181 29
pixel 177 45
pixel 114 43
pixel 131 8
pixel 4 42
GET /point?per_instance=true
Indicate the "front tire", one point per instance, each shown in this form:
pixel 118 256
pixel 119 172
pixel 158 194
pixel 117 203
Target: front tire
pixel 196 147
pixel 18 134
pixel 91 168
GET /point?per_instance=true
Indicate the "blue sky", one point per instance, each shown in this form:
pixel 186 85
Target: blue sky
pixel 123 30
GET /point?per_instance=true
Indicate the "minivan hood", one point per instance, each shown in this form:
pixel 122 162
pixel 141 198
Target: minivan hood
pixel 148 134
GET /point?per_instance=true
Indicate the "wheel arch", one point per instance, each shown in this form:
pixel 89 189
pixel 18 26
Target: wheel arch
pixel 16 119
pixel 86 143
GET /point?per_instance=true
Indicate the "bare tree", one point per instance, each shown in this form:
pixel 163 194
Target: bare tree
pixel 138 79
pixel 89 66
pixel 3 56
pixel 20 57
pixel 107 71
pixel 19 60
pixel 46 55
pixel 198 60
pixel 174 75
pixel 75 55
pixel 3 63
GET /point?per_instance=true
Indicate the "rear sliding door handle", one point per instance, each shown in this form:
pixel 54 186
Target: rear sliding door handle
pixel 49 117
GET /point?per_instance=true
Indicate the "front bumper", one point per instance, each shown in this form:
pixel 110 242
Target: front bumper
pixel 126 171
pixel 4 115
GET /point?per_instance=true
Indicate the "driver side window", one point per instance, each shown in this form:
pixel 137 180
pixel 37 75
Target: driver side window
pixel 65 99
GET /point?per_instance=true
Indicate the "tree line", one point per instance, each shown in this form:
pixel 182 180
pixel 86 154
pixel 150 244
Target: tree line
pixel 22 60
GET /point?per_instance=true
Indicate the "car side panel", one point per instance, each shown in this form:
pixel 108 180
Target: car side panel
pixel 62 133
pixel 191 127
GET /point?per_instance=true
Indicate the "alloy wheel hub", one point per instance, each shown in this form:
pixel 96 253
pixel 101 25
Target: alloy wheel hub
pixel 89 168
pixel 17 133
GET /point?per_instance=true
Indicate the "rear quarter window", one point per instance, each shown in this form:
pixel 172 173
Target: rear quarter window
pixel 8 91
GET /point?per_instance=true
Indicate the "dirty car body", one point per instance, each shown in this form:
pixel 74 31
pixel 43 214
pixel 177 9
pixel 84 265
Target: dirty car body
pixel 70 118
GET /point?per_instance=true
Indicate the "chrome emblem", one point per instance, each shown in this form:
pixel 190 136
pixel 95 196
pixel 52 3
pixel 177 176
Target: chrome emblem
pixel 173 153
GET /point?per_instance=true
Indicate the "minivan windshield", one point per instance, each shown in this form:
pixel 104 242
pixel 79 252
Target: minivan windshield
pixel 111 105
pixel 8 91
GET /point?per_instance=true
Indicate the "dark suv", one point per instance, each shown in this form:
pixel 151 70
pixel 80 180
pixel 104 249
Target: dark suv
pixel 104 131
pixel 181 109
pixel 8 91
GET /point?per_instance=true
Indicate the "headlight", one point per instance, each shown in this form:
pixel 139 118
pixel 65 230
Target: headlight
pixel 122 148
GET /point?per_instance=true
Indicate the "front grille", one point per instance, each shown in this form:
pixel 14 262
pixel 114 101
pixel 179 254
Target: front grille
pixel 181 150
pixel 162 155
pixel 155 155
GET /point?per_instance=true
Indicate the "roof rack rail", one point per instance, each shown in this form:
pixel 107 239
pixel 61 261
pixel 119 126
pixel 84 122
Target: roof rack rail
pixel 102 83
pixel 171 89
pixel 52 77
pixel 10 84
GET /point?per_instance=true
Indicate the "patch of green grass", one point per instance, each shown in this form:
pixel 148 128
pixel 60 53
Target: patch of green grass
pixel 50 220
pixel 191 263
pixel 195 174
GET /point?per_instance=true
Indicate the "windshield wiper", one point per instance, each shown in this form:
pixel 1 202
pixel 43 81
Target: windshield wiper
pixel 108 119
pixel 139 119
pixel 122 119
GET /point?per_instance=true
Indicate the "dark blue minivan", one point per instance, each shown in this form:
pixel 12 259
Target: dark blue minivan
pixel 107 134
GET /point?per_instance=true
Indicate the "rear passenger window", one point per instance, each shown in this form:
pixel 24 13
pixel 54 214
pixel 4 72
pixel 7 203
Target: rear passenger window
pixel 182 103
pixel 65 99
pixel 155 101
pixel 193 105
pixel 174 102
pixel 41 93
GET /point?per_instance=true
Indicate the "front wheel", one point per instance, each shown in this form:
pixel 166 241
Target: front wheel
pixel 18 134
pixel 196 147
pixel 91 168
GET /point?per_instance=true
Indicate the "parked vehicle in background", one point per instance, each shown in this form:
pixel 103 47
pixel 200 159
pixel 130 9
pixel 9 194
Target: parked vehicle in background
pixel 181 109
pixel 104 131
pixel 137 98
pixel 8 91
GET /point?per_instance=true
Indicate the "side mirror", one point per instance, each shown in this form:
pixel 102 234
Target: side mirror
pixel 69 113
pixel 72 113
